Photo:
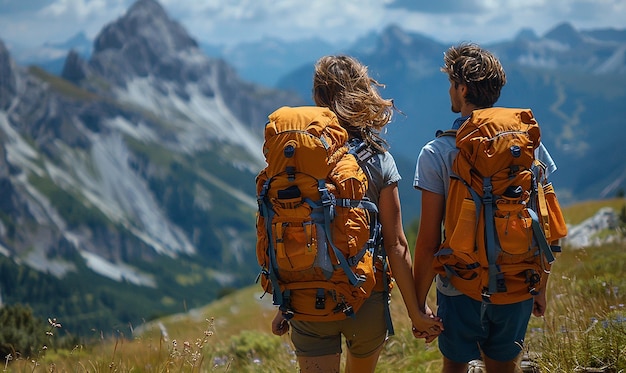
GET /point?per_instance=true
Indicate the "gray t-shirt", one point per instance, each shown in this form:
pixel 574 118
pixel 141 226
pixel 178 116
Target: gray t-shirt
pixel 381 171
pixel 434 167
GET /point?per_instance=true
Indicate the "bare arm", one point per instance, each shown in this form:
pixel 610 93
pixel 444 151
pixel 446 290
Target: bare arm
pixel 427 243
pixel 539 301
pixel 397 248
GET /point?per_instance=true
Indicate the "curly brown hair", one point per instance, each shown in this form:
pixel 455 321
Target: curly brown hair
pixel 342 84
pixel 478 69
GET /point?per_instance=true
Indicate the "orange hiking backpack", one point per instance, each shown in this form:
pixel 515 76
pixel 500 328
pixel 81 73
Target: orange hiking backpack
pixel 317 233
pixel 500 212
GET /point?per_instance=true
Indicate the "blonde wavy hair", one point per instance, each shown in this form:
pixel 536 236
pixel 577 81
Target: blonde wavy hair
pixel 342 84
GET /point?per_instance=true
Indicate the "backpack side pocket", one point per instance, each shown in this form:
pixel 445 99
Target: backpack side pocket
pixel 463 237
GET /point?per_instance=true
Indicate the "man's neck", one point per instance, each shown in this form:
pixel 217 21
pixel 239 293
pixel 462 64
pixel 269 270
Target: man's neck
pixel 467 109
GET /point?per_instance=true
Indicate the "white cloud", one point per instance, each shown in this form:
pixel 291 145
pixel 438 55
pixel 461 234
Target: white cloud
pixel 223 22
pixel 79 9
pixel 503 19
pixel 229 21
pixel 58 20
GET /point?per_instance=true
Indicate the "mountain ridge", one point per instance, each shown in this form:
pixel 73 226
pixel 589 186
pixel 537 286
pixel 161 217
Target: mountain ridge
pixel 130 178
pixel 575 94
pixel 127 192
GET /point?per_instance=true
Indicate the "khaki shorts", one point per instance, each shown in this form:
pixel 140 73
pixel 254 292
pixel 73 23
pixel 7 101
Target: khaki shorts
pixel 364 333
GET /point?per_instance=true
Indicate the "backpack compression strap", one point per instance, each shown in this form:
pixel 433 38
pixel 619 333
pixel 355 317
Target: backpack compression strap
pixel 328 202
pixel 268 213
pixel 363 152
pixel 496 278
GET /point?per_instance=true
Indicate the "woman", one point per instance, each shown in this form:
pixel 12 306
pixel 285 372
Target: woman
pixel 343 85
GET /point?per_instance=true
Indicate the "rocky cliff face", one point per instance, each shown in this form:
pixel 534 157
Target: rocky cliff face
pixel 136 166
pixel 7 78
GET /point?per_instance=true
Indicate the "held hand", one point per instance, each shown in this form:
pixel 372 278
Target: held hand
pixel 428 326
pixel 280 325
pixel 428 311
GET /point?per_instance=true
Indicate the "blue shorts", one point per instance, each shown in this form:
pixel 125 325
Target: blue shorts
pixel 498 330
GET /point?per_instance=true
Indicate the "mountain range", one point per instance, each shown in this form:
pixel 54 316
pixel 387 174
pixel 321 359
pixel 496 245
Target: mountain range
pixel 127 181
pixel 128 176
pixel 573 81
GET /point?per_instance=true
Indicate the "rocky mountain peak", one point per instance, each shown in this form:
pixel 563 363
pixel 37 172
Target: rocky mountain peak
pixel 566 34
pixel 145 22
pixel 399 37
pixel 75 68
pixel 137 43
pixel 526 34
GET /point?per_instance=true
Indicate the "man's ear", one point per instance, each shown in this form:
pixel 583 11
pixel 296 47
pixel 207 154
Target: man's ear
pixel 463 89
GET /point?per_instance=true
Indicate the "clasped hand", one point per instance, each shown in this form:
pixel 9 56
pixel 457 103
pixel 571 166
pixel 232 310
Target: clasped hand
pixel 428 326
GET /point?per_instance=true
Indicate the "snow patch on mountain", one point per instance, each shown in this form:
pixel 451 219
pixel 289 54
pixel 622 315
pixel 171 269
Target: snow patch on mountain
pixel 239 195
pixel 138 131
pixel 19 152
pixel 615 63
pixel 117 187
pixel 198 119
pixel 57 267
pixel 118 271
pixel 534 60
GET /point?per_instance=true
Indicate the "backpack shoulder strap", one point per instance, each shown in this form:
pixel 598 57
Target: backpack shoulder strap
pixel 361 150
pixel 441 133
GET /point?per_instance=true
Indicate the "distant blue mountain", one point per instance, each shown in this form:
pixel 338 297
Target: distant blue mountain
pixel 128 180
pixel 264 62
pixel 569 77
pixel 51 56
pixel 574 82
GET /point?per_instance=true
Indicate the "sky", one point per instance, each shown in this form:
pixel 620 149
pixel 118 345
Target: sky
pixel 31 23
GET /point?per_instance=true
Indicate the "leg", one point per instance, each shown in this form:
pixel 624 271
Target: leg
pixel 511 366
pixel 366 335
pixel 362 364
pixel 317 345
pixel 319 364
pixel 502 351
pixel 458 342
pixel 450 366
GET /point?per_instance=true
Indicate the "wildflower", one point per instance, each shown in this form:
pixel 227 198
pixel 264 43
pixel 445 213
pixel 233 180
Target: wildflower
pixel 594 321
pixel 220 361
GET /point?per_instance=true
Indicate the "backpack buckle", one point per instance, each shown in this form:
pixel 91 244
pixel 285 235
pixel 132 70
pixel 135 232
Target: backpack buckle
pixel 291 173
pixel 326 197
pixel 486 295
pixel 320 300
pixel 348 310
pixel 287 313
pixel 532 279
pixel 500 283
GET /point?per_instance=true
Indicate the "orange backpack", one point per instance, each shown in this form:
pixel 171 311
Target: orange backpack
pixel 316 230
pixel 500 212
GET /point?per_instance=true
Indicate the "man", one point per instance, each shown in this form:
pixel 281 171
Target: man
pixel 472 329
